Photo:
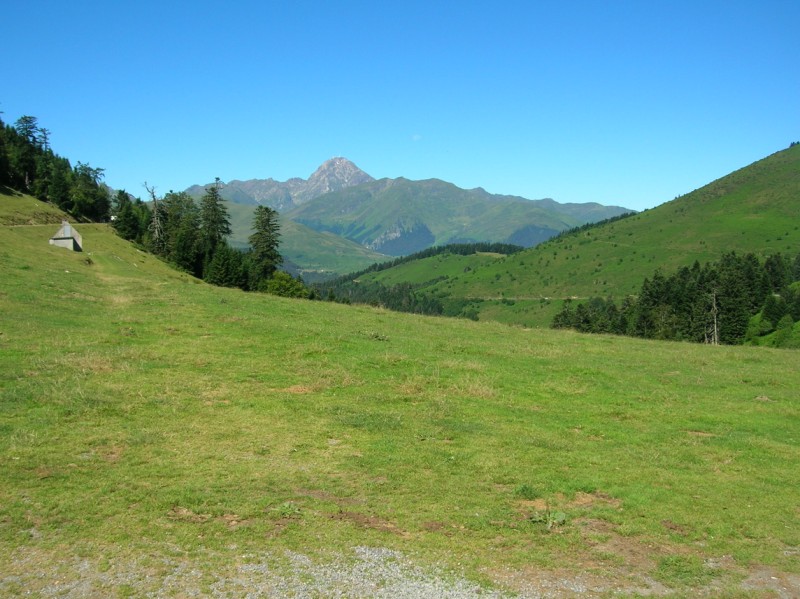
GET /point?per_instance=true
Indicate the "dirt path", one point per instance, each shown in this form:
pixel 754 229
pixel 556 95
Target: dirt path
pixel 372 572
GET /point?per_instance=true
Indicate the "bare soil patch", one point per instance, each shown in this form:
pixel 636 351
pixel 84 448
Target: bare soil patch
pixel 371 521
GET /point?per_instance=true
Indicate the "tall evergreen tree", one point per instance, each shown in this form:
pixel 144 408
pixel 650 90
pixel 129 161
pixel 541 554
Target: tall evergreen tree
pixel 226 268
pixel 89 199
pixel 779 272
pixel 214 222
pixel 264 242
pixel 126 223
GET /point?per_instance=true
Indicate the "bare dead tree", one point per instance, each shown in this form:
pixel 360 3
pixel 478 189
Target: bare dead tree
pixel 715 329
pixel 156 224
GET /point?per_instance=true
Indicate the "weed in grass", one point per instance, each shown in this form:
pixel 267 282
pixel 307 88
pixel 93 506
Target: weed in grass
pixel 525 491
pixel 550 518
pixel 287 509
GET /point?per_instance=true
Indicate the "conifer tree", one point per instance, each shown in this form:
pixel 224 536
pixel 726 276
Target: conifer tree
pixel 264 243
pixel 126 223
pixel 214 222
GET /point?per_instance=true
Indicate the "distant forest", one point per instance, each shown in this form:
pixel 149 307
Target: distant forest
pixel 402 297
pixel 28 164
pixel 738 299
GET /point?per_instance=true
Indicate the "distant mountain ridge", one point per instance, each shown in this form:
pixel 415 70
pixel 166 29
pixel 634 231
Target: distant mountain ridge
pixel 332 175
pixel 399 216
pixel 753 209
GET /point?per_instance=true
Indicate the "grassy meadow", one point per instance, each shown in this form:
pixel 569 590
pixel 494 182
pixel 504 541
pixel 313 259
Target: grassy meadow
pixel 144 413
pixel 754 209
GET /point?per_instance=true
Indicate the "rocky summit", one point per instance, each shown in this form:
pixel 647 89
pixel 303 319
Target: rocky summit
pixel 332 175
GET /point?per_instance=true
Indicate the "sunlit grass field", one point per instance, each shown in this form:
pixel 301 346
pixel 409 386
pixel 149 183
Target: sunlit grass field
pixel 145 413
pixel 754 209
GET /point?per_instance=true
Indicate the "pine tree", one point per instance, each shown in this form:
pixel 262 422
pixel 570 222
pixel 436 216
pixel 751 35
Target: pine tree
pixel 126 223
pixel 89 199
pixel 225 268
pixel 733 300
pixel 264 243
pixel 215 225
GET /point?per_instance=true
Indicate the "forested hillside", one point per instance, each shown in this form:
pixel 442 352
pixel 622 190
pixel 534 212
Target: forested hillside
pixel 753 210
pixel 737 299
pixel 28 164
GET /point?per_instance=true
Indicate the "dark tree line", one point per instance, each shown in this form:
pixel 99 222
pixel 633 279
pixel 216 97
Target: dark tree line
pixel 28 164
pixel 192 236
pixel 735 300
pixel 460 249
pixel 403 297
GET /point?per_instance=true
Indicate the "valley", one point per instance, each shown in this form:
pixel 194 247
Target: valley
pixel 216 439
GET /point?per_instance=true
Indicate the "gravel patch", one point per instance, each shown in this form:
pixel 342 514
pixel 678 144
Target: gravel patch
pixel 366 572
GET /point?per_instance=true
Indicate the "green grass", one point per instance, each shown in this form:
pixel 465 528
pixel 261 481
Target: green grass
pixel 316 254
pixel 754 209
pixel 144 413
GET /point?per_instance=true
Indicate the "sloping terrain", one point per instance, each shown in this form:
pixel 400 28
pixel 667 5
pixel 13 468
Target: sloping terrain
pixel 755 209
pixel 389 217
pixel 332 175
pixel 399 217
pixel 163 436
pixel 315 254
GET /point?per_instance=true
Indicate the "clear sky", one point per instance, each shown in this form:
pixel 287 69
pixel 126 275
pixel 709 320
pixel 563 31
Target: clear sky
pixel 619 102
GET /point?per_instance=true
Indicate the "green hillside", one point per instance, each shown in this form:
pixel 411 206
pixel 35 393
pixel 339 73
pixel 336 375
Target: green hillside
pixel 755 209
pixel 162 437
pixel 399 217
pixel 316 254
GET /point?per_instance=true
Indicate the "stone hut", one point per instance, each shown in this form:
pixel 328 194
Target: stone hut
pixel 67 237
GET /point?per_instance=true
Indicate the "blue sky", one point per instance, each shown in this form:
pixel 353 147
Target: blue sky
pixel 628 103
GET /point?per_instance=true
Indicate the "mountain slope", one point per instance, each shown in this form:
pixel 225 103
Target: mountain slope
pixel 755 209
pixel 332 175
pixel 314 254
pixel 398 216
pixel 395 216
pixel 165 437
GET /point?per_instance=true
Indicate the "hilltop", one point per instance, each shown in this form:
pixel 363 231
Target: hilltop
pixel 332 175
pixel 755 209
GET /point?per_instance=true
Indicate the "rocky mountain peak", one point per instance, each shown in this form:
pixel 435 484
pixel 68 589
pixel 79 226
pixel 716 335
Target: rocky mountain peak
pixel 333 175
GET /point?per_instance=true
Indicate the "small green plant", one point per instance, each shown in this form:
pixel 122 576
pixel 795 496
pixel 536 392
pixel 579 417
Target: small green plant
pixel 549 517
pixel 525 491
pixel 285 510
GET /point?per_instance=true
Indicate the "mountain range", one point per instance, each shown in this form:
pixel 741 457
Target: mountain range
pixel 396 217
pixel 333 175
pixel 754 209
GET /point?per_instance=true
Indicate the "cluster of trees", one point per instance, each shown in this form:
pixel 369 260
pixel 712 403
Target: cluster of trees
pixel 188 235
pixel 193 236
pixel 459 249
pixel 28 164
pixel 405 297
pixel 735 300
pixel 402 297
